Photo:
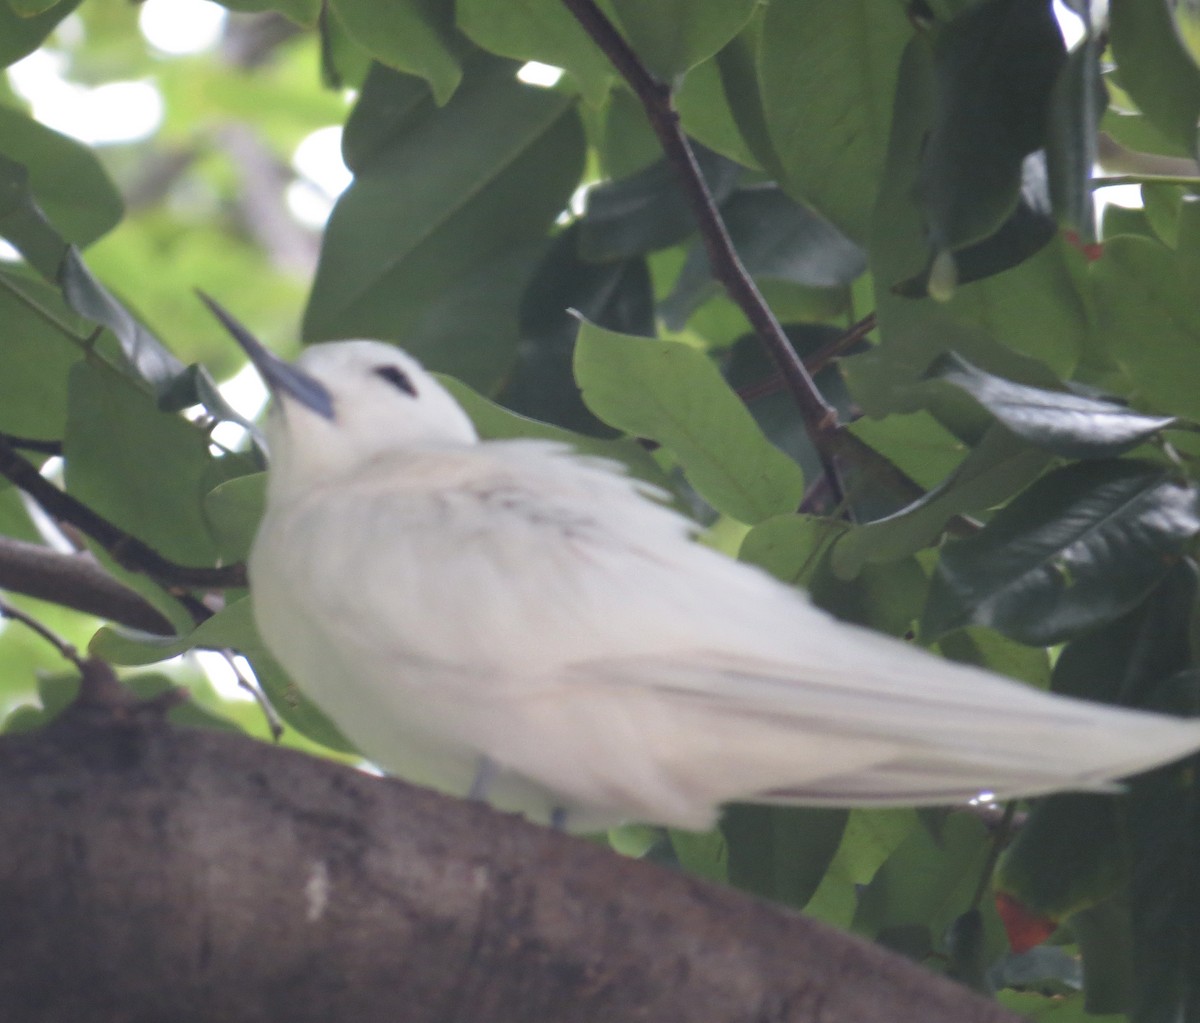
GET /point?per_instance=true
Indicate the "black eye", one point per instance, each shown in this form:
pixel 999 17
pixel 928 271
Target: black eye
pixel 395 376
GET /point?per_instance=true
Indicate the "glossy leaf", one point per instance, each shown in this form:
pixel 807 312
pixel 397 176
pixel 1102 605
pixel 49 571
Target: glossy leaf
pixel 439 192
pixel 827 71
pixel 1076 104
pixel 673 394
pixel 778 240
pixel 987 118
pixel 1063 423
pixel 995 469
pixel 648 211
pixel 1077 549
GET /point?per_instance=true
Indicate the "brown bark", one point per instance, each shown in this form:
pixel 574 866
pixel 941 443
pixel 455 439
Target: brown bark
pixel 150 873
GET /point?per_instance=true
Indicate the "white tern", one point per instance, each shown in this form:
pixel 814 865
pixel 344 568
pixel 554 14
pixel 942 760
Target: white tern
pixel 512 619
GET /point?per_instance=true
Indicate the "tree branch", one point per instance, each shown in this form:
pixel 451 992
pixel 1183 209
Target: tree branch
pixel 150 872
pixel 820 418
pixel 77 582
pixel 126 550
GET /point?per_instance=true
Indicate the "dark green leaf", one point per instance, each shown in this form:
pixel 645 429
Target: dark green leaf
pixel 1066 424
pixel 24 224
pixel 1070 854
pixel 648 210
pixel 1080 547
pixel 778 240
pixel 20 36
pixel 143 469
pixel 994 67
pixel 993 471
pixel 416 36
pixel 1105 938
pixel 966 945
pixel 781 853
pixel 617 296
pixel 447 191
pixel 65 178
pixel 1029 228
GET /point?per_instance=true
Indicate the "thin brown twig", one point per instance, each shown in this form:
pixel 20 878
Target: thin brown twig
pixel 126 550
pixel 820 418
pixel 66 649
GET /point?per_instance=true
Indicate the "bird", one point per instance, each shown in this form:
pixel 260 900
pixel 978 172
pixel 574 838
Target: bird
pixel 516 621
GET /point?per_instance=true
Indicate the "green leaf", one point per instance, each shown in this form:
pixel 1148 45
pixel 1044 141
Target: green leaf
pixel 987 118
pixel 870 838
pixel 1148 318
pixel 20 36
pixel 65 178
pixel 1105 938
pixel 1069 855
pixel 541 30
pixel 618 296
pixel 38 346
pixel 1156 70
pixel 439 193
pixel 24 224
pixel 674 395
pixel 1080 547
pixel 231 628
pixel 494 422
pixel 778 240
pixel 706 115
pixel 416 36
pixel 302 12
pixel 648 210
pixel 671 36
pixel 926 883
pixel 145 355
pixel 143 469
pixel 827 71
pixel 1063 423
pixel 992 472
pixel 781 853
pixel 233 510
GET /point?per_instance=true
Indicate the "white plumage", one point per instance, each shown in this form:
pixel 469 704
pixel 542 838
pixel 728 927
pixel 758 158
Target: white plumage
pixel 451 603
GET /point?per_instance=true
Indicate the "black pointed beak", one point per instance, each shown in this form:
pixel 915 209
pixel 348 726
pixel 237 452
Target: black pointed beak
pixel 281 377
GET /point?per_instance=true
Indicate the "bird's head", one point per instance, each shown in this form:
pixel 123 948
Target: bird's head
pixel 342 404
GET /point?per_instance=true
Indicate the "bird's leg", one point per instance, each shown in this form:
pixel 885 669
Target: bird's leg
pixel 558 818
pixel 485 774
